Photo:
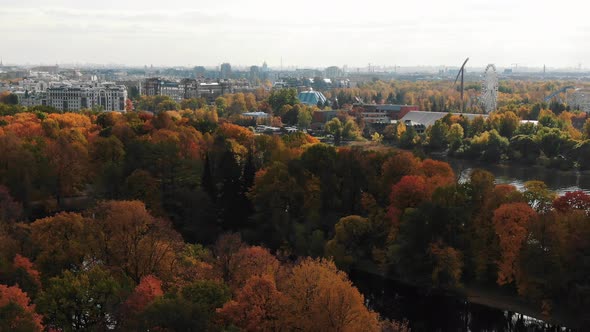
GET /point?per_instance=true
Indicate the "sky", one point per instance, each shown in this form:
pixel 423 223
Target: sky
pixel 302 33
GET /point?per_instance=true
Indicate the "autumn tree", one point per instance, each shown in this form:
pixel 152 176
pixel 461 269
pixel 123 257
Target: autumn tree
pixel 410 191
pixel 258 306
pixel 538 196
pixel 402 163
pixel 511 221
pixel 315 289
pixel 107 156
pixel 251 261
pixel 127 237
pixel 224 248
pixel 17 313
pixel 60 242
pixel 448 265
pixel 148 290
pixel 573 200
pixel 10 210
pixel 24 274
pixel 68 159
pixel 455 136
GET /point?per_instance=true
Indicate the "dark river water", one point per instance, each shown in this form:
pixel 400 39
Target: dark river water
pixel 431 311
pixel 558 181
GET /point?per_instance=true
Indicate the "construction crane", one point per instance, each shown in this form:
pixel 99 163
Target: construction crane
pixel 461 72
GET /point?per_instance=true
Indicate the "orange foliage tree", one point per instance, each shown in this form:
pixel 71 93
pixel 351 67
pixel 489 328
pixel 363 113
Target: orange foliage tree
pixel 322 294
pixel 126 236
pixel 16 311
pixel 251 261
pixel 148 289
pixel 410 191
pixel 258 306
pixel 510 222
pixel 59 241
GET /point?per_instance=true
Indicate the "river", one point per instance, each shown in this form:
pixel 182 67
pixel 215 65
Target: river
pixel 438 312
pixel 556 180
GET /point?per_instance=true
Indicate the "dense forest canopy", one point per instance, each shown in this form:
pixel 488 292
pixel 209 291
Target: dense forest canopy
pixel 183 220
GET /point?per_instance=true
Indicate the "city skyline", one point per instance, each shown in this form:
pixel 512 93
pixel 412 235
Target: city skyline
pixel 308 34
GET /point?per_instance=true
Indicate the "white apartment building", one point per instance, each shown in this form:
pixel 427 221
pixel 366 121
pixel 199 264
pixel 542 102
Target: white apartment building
pixel 106 96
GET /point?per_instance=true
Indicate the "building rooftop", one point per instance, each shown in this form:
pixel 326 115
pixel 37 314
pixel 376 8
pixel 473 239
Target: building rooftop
pixel 429 118
pixel 311 97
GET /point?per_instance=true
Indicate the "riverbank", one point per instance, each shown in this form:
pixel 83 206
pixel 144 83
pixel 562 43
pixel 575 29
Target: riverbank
pixel 440 309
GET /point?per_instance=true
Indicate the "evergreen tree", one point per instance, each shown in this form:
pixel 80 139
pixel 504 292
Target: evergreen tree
pixel 207 180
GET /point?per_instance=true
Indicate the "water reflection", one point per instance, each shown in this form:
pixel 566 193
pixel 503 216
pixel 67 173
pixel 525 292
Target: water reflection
pixel 559 181
pixel 434 311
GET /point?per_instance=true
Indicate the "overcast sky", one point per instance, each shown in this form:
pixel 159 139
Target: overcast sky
pixel 304 33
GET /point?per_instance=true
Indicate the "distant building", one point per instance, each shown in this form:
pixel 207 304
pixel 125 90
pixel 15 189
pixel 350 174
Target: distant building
pixel 106 96
pixel 333 72
pixel 257 115
pixel 254 74
pixel 225 70
pixel 386 113
pixel 200 71
pixel 420 128
pixel 312 98
pixel 190 88
pixel 429 118
pixel 323 116
pixel 29 99
pixel 173 90
pixel 150 87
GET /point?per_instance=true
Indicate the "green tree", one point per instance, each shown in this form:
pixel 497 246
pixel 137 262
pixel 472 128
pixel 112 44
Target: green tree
pixel 455 136
pixel 221 106
pixel 282 97
pixel 193 104
pixel 304 118
pixel 82 301
pixel 277 200
pixel 407 139
pixel 334 128
pixel 350 130
pixel 351 242
pixel 437 135
pixel 193 308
